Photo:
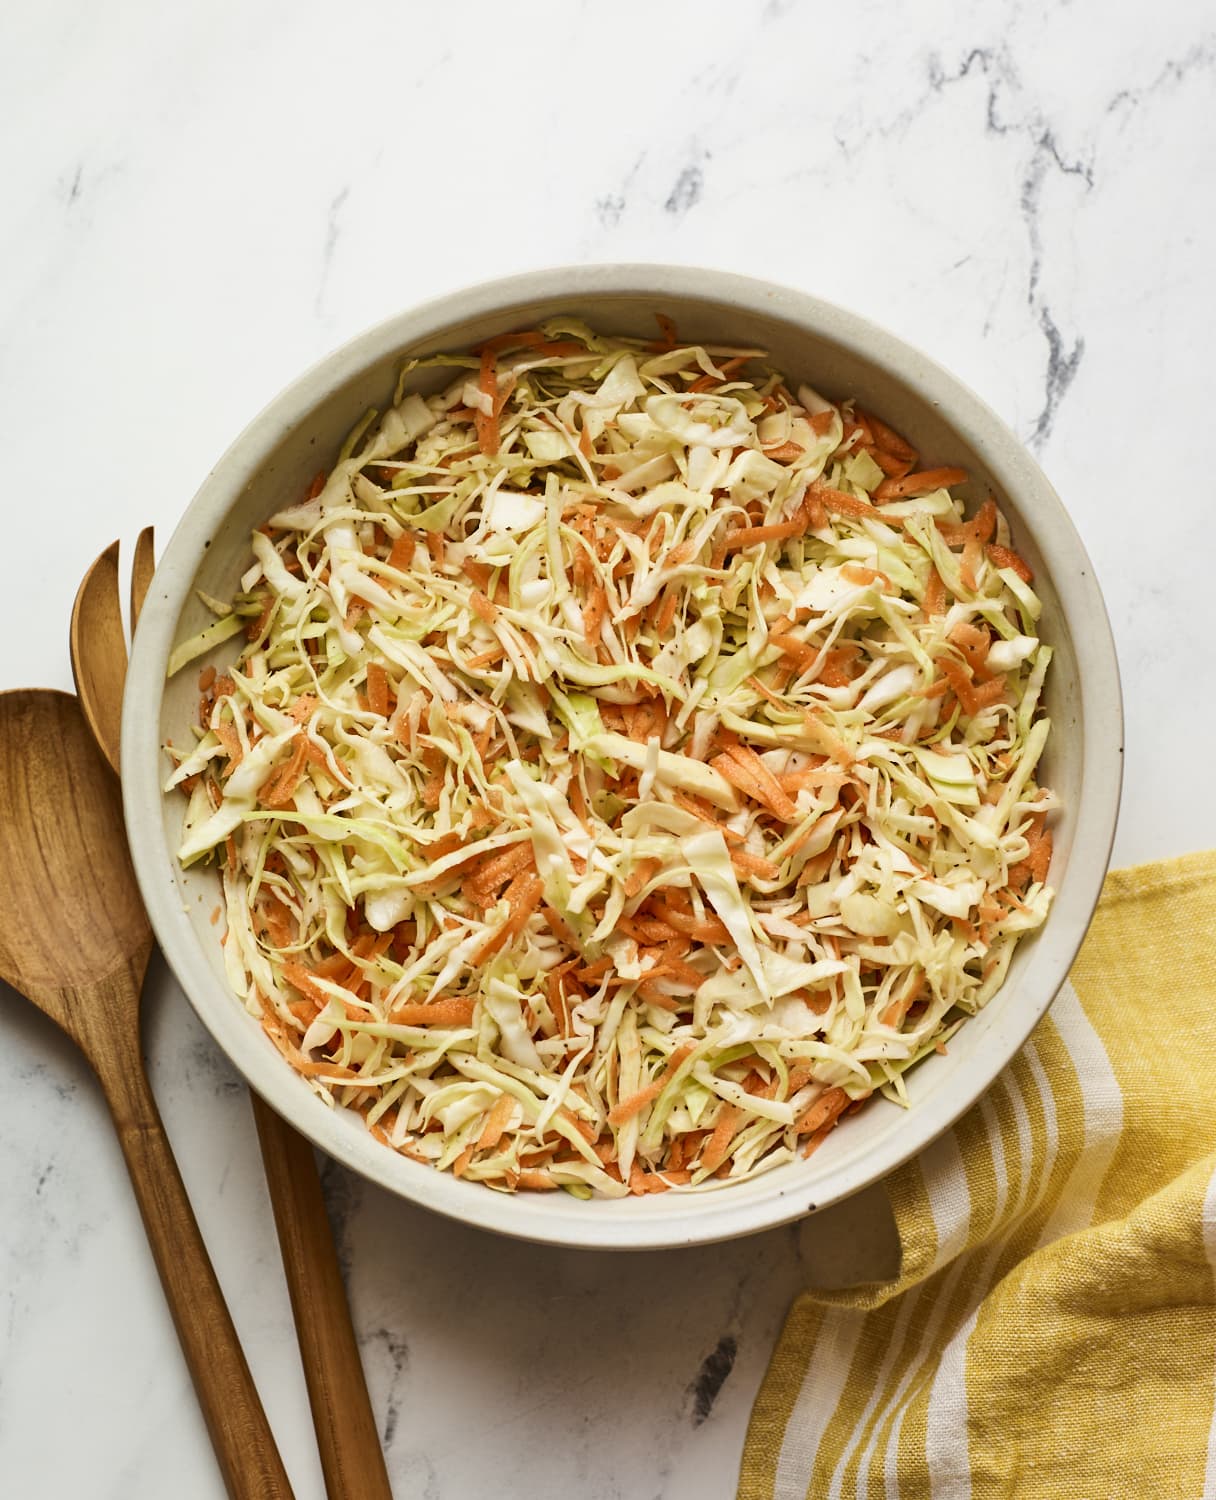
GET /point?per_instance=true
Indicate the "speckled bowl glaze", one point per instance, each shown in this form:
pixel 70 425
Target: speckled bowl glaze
pixel 841 355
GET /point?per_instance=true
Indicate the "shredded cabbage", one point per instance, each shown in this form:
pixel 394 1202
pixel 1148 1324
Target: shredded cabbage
pixel 629 767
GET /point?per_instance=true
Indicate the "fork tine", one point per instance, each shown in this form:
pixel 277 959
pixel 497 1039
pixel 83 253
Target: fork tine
pixel 142 567
pixel 99 652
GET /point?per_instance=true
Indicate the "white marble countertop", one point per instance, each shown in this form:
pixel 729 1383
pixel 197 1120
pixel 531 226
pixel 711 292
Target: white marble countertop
pixel 201 200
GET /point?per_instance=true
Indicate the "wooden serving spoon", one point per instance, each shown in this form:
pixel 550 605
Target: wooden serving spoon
pixel 347 1440
pixel 74 939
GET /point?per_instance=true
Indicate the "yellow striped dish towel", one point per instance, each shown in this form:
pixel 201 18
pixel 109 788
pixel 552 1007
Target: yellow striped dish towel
pixel 1052 1332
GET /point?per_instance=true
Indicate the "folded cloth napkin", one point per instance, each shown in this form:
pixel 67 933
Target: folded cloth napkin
pixel 1052 1332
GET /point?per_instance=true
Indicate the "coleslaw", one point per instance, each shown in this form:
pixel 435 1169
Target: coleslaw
pixel 628 767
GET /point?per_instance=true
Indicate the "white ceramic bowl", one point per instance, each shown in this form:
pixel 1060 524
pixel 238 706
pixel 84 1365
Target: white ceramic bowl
pixel 275 458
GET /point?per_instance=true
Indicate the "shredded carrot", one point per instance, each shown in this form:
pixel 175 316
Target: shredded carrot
pixel 715 1149
pixel 814 776
pixel 496 1123
pixel 321 1069
pixel 743 768
pixel 332 967
pixel 856 435
pixel 802 655
pixel 402 554
pixel 840 503
pixel 256 628
pixel 836 670
pixel 707 814
pixel 482 607
pixel 523 897
pixel 477 573
pixel 830 1105
pixel 887 439
pixel 432 790
pixel 817 1138
pixel 642 873
pixel 1040 856
pixel 434 1013
pixel 486 659
pixel 892 467
pixel 752 864
pixel 518 338
pixel 960 680
pixel 973 644
pixel 641 1181
pixel 538 1182
pixel 636 1103
pixel 593 613
pixel 785 452
pixel 279 924
pixel 800 1075
pixel 649 991
pixel 278 791
pixel 1006 557
pixel 559 927
pixel 988 693
pixel 923 483
pixel 558 1004
pixel 898 1009
pixel 377 689
pixel 226 733
pixel 668 613
pixel 300 979
pixel 1037 862
pixel 856 573
pixel 647 930
pixel 983 523
pixel 979 528
pixel 710 930
pixel 670 966
pixel 500 866
pixel 752 536
pixel 674 1176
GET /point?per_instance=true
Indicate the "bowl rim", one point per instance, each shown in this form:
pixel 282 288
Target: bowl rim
pixel 668 1221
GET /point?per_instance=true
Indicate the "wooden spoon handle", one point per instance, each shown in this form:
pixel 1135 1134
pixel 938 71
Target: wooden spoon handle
pixel 244 1443
pixel 351 1458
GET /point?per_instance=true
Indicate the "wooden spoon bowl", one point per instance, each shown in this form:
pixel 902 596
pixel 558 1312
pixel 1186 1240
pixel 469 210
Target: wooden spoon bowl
pixel 60 811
